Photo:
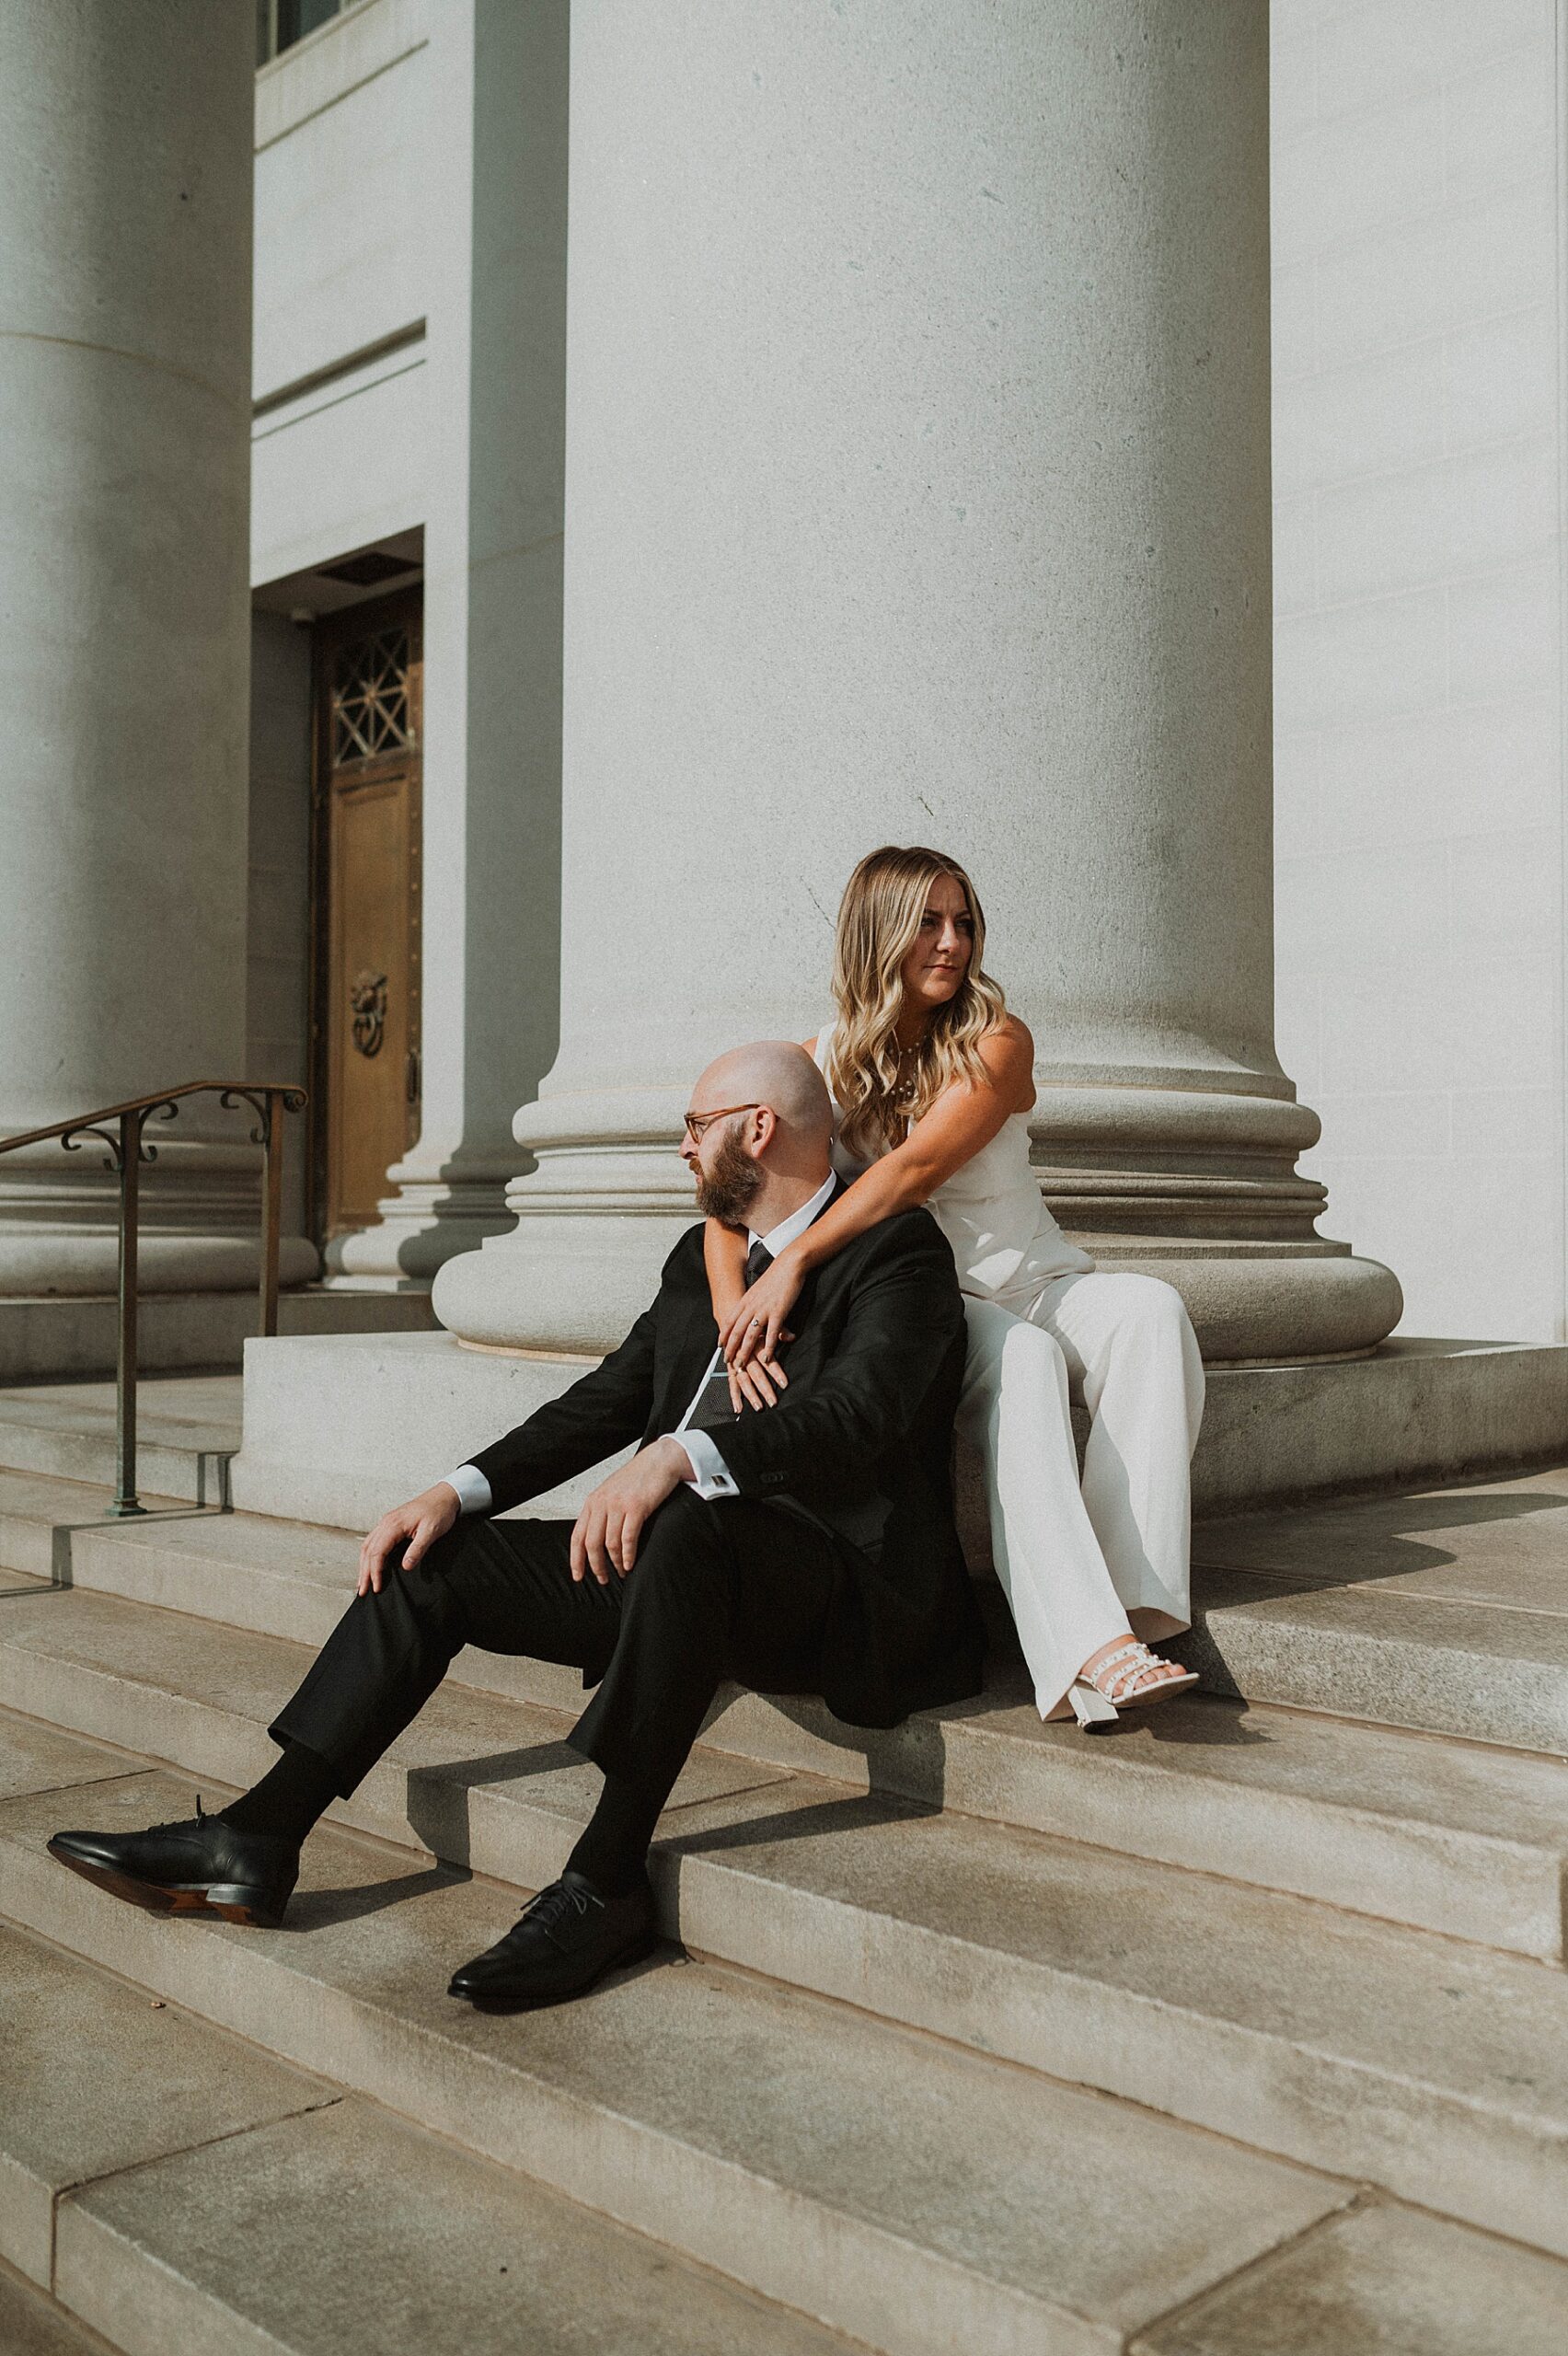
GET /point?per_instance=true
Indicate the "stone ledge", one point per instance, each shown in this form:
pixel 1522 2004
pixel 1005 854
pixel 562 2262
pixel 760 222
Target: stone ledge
pixel 338 1425
pixel 1415 1410
pixel 46 1336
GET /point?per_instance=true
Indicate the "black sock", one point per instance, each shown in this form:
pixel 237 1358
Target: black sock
pixel 289 1799
pixel 613 1851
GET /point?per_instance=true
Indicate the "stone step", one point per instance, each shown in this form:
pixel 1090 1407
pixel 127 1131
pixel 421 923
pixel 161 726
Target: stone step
pixel 32 2324
pixel 1502 1543
pixel 179 2189
pixel 337 1429
pixel 1448 1836
pixel 1437 2069
pixel 1378 2280
pixel 1446 1609
pixel 329 2223
pixel 924 2199
pixel 188 1429
pixel 1477 1648
pixel 52 1335
pixel 95 2080
pixel 1482 1671
pixel 379 2241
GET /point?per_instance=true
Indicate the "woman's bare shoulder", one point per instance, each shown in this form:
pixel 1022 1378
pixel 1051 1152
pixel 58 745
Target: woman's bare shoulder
pixel 1010 1043
pixel 1007 1052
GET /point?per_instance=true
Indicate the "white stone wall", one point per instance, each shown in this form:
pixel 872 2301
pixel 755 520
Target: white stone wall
pixel 342 193
pixel 1419 708
pixel 277 961
pixel 411 241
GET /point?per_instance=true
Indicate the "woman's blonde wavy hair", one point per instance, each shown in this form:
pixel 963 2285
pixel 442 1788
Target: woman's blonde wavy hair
pixel 879 923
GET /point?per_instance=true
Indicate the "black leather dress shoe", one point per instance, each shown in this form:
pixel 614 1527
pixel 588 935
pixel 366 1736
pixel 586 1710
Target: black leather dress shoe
pixel 200 1865
pixel 564 1940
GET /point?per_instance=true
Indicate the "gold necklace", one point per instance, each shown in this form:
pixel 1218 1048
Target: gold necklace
pixel 903 1087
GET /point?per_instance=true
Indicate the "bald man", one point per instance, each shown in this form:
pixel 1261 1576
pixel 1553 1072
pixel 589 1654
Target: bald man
pixel 809 1548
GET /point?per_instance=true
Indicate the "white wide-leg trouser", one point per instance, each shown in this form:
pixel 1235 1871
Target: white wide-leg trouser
pixel 1081 1565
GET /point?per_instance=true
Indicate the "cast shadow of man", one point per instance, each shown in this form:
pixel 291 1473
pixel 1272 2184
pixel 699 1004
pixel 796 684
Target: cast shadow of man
pixel 903 1772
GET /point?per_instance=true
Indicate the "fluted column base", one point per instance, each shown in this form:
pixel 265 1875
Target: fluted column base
pixel 1200 1188
pixel 426 1223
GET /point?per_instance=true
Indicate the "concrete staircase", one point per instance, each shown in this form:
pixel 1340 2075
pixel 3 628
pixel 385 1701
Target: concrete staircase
pixel 1245 2026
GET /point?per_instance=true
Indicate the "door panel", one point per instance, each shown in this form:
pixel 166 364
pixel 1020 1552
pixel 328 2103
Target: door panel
pixel 367 996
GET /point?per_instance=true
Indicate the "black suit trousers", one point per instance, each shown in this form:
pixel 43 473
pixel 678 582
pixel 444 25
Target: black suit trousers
pixel 731 1589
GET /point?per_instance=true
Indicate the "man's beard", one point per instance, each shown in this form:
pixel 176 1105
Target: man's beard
pixel 727 1189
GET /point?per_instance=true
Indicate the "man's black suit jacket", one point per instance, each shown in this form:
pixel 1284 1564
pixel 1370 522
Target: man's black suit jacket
pixel 861 1443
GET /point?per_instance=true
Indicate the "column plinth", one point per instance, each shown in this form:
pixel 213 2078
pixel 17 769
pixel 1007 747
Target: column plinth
pixel 918 490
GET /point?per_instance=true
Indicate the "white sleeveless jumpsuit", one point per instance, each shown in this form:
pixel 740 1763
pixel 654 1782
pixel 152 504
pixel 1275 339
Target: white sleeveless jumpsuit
pixel 1078 1565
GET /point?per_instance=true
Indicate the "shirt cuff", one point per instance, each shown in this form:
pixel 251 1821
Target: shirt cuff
pixel 473 1489
pixel 713 1477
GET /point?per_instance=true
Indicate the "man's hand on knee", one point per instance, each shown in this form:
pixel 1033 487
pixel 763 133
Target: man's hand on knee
pixel 605 1536
pixel 421 1521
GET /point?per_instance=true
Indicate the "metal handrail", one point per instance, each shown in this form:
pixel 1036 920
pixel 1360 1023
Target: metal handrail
pixel 268 1099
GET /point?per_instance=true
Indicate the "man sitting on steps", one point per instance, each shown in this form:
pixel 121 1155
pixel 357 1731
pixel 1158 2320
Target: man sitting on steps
pixel 807 1549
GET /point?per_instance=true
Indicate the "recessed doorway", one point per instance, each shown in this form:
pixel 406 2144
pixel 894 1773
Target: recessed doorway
pixel 366 964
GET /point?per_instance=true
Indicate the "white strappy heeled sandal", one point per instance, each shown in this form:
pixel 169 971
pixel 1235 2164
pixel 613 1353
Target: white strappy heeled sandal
pixel 1118 1684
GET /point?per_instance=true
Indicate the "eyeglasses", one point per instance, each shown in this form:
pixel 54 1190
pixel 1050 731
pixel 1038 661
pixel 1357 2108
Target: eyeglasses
pixel 695 1123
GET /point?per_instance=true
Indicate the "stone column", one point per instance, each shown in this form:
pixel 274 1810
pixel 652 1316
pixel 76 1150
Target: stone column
pixel 918 490
pixel 125 211
pixel 492 623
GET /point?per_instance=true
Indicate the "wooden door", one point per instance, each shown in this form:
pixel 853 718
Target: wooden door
pixel 367 929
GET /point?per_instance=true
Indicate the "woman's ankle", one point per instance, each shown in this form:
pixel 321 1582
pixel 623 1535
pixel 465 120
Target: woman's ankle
pixel 1104 1653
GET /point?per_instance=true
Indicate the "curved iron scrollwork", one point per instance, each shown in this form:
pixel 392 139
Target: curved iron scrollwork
pixel 71 1139
pixel 293 1100
pixel 367 1002
pixel 167 1111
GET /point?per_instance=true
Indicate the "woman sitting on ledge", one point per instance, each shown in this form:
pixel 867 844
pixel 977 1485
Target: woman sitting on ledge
pixel 933 1083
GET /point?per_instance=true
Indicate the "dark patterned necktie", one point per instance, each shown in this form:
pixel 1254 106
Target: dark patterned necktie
pixel 713 1409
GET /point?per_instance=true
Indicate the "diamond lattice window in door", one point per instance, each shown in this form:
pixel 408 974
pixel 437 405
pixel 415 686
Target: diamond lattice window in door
pixel 370 698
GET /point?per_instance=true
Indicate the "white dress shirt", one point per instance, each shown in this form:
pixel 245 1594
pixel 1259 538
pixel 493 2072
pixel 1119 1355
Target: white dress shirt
pixel 711 1477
